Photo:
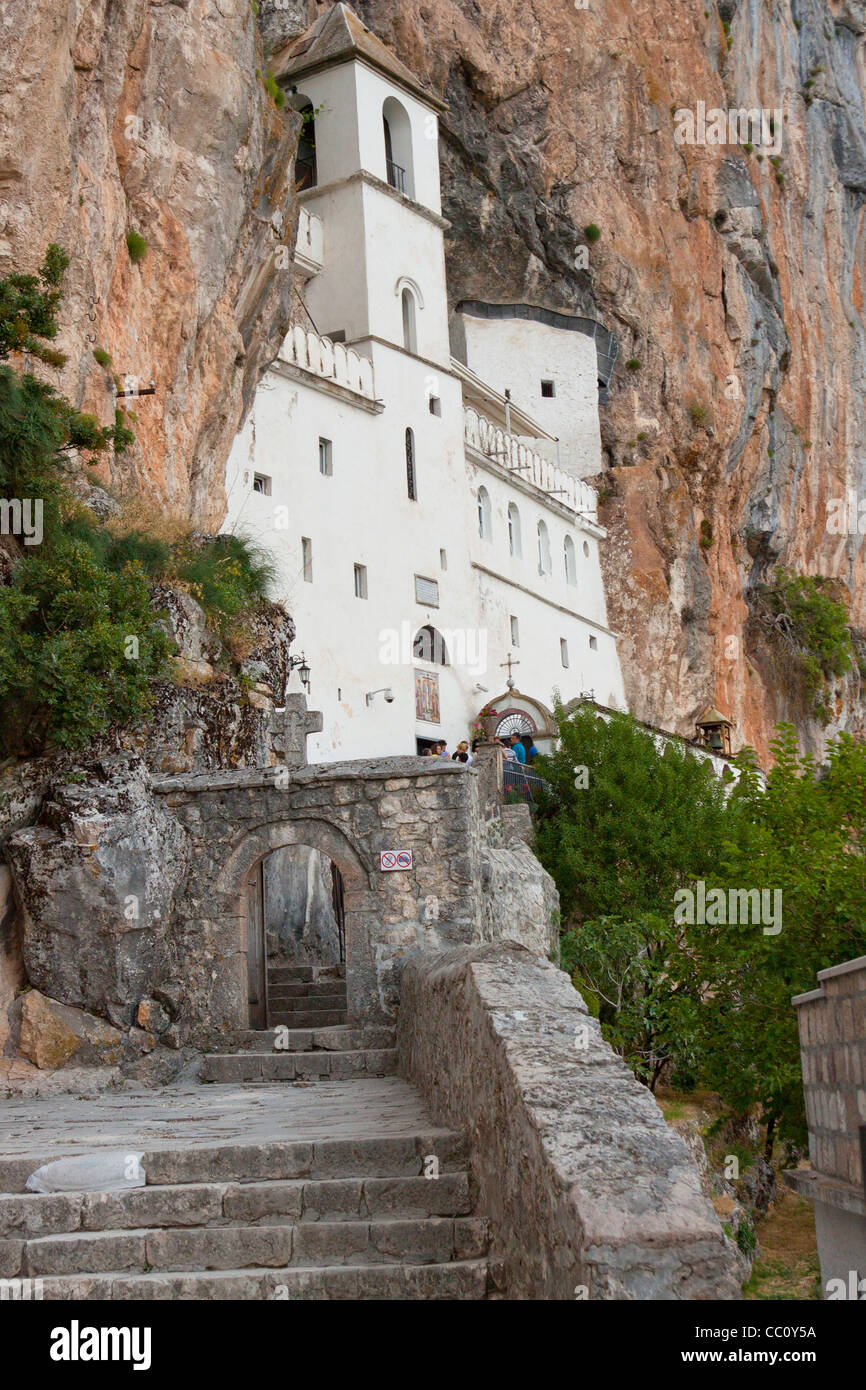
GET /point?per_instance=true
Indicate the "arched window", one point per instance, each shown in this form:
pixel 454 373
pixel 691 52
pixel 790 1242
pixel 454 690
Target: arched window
pixel 515 543
pixel 397 129
pixel 570 557
pixel 544 565
pixel 305 159
pixel 410 326
pixel 411 485
pixel 484 523
pixel 429 645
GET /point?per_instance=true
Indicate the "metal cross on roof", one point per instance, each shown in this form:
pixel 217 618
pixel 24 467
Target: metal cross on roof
pixel 509 663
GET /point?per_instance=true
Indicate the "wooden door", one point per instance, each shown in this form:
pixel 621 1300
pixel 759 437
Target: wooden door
pixel 257 978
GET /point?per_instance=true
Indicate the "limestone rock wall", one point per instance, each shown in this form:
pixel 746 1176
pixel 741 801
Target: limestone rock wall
pixel 738 292
pixel 592 1194
pixel 148 115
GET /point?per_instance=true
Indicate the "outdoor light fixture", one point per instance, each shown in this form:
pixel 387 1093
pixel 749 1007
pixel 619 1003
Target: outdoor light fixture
pixel 385 690
pixel 301 665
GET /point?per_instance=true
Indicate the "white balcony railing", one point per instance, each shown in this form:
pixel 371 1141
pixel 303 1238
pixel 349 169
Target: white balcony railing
pixel 516 457
pixel 330 361
pixel 310 245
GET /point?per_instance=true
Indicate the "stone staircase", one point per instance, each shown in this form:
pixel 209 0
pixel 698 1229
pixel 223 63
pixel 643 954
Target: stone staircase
pixel 360 1218
pixel 308 1037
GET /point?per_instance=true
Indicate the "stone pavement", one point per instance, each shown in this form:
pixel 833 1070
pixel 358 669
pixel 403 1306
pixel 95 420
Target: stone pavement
pixel 61 1126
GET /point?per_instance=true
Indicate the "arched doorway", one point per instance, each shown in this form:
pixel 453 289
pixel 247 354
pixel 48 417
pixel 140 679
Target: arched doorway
pixel 296 940
pixel 354 903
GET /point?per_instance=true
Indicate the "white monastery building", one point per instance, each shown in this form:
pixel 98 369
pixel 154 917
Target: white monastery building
pixel 418 483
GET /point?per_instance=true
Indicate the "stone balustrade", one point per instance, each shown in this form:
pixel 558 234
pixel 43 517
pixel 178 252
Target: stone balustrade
pixel 516 456
pixel 331 361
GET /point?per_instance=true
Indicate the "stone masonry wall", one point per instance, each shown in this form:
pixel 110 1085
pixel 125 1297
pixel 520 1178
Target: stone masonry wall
pixel 832 1022
pixel 593 1195
pixel 350 812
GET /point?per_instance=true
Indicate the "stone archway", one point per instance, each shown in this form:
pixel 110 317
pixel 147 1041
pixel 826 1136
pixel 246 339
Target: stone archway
pixel 313 833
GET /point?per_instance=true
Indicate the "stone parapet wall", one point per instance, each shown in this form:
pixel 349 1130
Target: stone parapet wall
pixel 593 1194
pixel 832 1022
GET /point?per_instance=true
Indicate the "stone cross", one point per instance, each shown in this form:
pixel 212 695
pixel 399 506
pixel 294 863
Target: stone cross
pixel 298 723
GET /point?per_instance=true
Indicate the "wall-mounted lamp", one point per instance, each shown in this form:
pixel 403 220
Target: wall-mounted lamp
pixel 301 665
pixel 385 690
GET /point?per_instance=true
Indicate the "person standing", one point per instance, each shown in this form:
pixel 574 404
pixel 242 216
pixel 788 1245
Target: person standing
pixel 518 748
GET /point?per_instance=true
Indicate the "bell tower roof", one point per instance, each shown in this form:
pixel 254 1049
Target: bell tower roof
pixel 338 36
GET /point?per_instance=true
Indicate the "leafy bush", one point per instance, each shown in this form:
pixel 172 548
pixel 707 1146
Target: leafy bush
pixel 634 364
pixel 226 574
pixel 592 232
pixel 28 308
pixel 102 357
pixel 803 620
pixel 136 245
pixel 78 647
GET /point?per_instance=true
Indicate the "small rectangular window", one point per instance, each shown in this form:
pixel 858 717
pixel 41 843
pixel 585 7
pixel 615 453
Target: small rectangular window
pixel 563 651
pixel 515 632
pixel 593 642
pixel 307 559
pixel 338 336
pixel 262 484
pixel 326 458
pixel 443 559
pixel 426 591
pixel 360 581
pixel 435 405
pixel 548 388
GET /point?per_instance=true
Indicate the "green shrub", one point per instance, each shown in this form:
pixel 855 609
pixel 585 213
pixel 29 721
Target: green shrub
pixel 634 364
pixel 274 91
pixel 706 536
pixel 136 246
pixel 698 413
pixel 225 574
pixel 69 667
pixel 804 620
pixel 102 357
pixel 592 232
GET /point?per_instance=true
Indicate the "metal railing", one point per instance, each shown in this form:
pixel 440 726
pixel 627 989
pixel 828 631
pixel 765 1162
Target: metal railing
pixel 396 176
pixel 518 778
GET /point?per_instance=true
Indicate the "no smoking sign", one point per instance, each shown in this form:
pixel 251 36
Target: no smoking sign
pixel 391 860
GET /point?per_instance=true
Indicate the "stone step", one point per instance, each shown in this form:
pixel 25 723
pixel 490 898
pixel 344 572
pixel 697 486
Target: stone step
pixel 429 1240
pixel 340 1038
pixel 230 1067
pixel 297 990
pixel 306 1002
pixel 390 1155
pixel 303 1018
pixel 463 1280
pixel 26 1215
pixel 290 972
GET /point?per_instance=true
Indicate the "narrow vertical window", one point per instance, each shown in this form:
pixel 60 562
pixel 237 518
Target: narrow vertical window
pixel 410 327
pixel 515 544
pixel 515 632
pixel 544 565
pixel 570 559
pixel 360 581
pixel 484 526
pixel 563 651
pixel 307 559
pixel 411 483
pixel 326 457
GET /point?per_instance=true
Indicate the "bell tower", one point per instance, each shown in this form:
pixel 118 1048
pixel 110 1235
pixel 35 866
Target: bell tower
pixel 368 166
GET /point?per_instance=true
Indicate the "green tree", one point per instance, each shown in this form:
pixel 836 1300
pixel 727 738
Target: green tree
pixel 623 826
pixel 802 836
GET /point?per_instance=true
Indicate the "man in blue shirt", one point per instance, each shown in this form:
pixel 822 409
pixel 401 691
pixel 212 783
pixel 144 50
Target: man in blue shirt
pixel 518 748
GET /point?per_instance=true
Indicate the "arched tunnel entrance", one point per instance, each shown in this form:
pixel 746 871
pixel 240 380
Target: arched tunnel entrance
pixel 296 939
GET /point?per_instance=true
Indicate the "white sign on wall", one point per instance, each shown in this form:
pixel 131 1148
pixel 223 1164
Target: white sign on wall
pixel 392 859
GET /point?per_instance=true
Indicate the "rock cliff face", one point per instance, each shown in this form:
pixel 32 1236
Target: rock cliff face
pixel 148 116
pixel 734 282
